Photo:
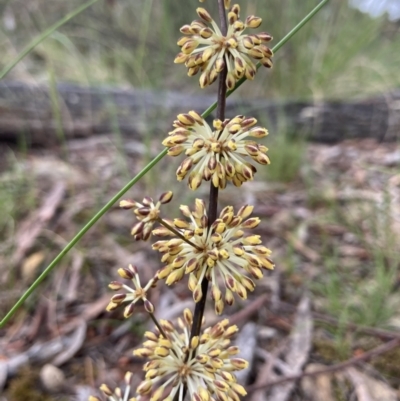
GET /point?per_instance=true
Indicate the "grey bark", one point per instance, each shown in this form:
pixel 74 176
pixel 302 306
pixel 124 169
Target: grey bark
pixel 30 114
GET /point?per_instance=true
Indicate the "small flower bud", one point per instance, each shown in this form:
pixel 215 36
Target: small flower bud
pixel 115 285
pixel 251 223
pixel 264 37
pixel 203 14
pixel 127 204
pixel 128 311
pixel 239 363
pixel 106 390
pixel 253 21
pixel 125 273
pixel 144 387
pixel 266 62
pixel 197 294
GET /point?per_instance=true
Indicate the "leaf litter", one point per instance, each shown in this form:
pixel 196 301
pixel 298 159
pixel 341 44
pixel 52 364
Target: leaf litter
pixel 333 229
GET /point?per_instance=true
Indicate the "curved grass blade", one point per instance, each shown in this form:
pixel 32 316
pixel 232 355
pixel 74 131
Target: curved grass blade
pixel 39 39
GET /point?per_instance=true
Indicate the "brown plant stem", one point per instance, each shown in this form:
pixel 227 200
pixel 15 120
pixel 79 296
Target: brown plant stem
pixel 177 233
pixel 153 318
pixel 213 199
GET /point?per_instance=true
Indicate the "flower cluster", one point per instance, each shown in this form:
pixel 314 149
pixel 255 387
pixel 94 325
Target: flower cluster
pixel 221 251
pixel 204 48
pixel 202 364
pixel 147 213
pixel 132 295
pixel 217 155
pixel 117 394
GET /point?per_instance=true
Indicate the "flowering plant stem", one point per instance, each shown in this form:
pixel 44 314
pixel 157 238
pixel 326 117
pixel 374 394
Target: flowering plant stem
pixel 147 168
pixel 213 199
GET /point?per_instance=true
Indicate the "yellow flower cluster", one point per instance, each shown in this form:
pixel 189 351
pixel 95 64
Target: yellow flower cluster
pixel 216 154
pixel 205 49
pixel 202 364
pixel 221 251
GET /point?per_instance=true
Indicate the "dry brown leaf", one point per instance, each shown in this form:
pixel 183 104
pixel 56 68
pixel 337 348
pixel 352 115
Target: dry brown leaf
pixel 30 265
pixel 298 352
pixel 31 228
pixel 317 388
pixel 369 389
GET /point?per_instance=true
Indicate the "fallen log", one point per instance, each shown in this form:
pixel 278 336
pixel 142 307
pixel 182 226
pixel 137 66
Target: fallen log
pixel 38 116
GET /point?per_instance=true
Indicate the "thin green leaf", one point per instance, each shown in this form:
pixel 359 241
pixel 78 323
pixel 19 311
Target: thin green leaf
pixel 39 39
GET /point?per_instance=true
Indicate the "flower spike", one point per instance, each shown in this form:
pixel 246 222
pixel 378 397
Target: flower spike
pixel 216 154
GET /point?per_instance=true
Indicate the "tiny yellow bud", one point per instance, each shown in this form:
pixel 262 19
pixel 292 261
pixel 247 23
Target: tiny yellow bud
pixel 252 240
pixel 166 197
pixel 251 223
pixel 127 204
pixel 219 307
pixel 125 273
pixel 203 14
pixel 239 363
pixel 221 385
pixel 229 300
pixel 190 45
pixel 266 62
pixel 194 342
pixel 187 313
pixel 204 79
pixel 161 351
pixel 175 276
pixel 197 294
pixel 253 21
pixel 180 58
pixel 195 181
pixel 192 282
pixel 239 389
pixel 157 394
pixel 197 117
pixel 144 387
pixel 105 389
pixel 151 374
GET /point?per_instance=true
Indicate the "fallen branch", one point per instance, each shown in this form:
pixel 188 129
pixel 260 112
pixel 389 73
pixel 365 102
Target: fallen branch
pixel 333 368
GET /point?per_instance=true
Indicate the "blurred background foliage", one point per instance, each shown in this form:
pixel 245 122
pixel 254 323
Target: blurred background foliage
pixel 343 53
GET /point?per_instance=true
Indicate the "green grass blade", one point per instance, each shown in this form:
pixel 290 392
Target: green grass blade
pixel 39 39
pixel 148 167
